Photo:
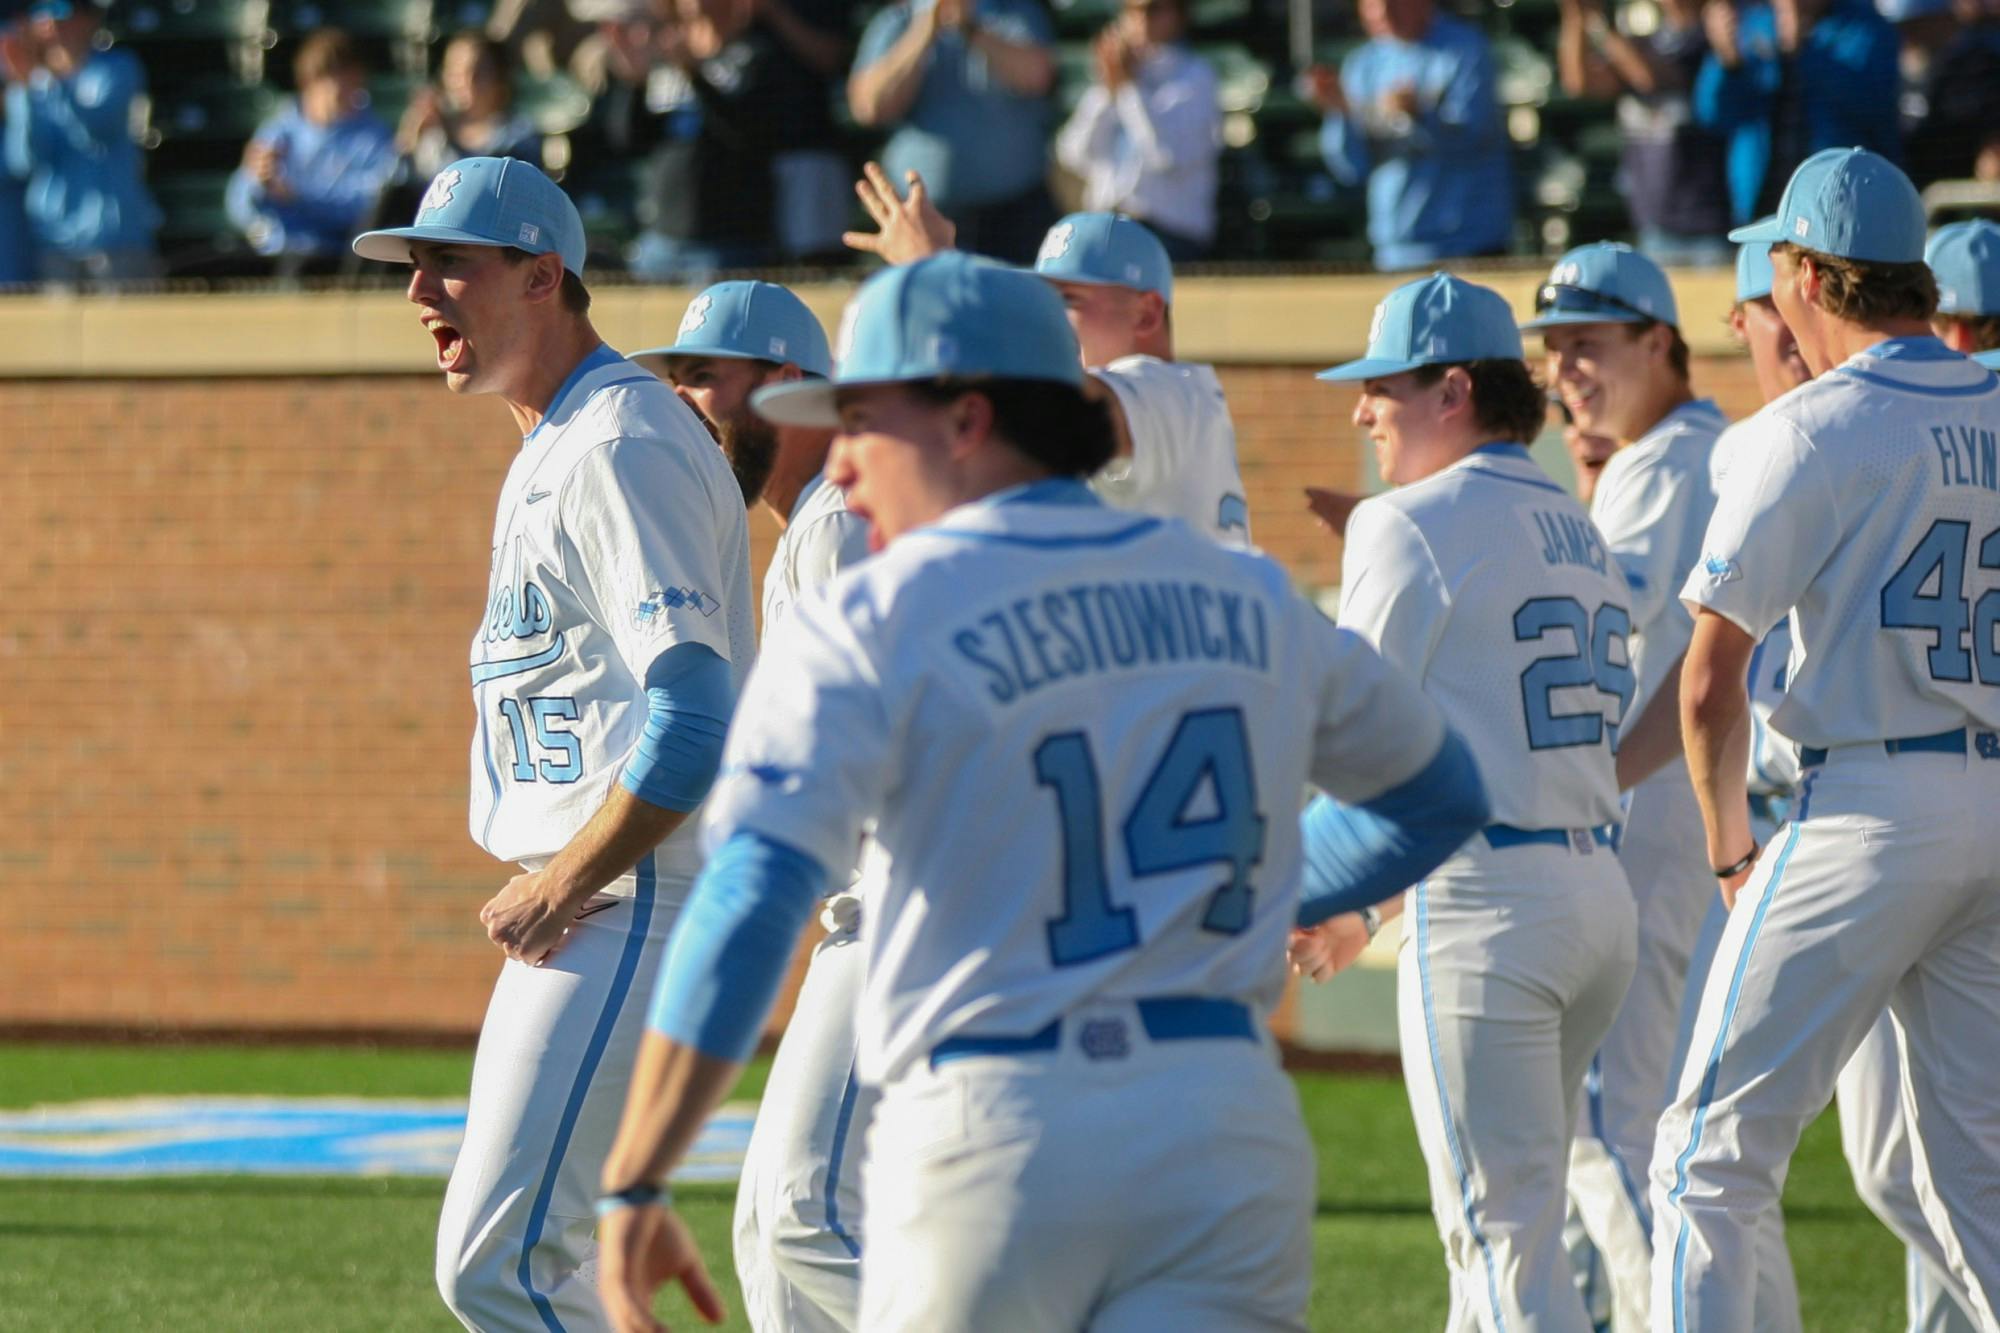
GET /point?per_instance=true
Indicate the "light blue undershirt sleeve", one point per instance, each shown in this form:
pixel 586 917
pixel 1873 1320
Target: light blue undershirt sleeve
pixel 1357 855
pixel 733 944
pixel 689 697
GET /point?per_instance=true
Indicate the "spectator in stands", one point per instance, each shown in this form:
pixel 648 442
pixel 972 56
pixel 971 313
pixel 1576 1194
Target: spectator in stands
pixel 542 36
pixel 1146 134
pixel 1415 113
pixel 1959 134
pixel 964 86
pixel 69 137
pixel 312 173
pixel 469 113
pixel 690 97
pixel 1786 79
pixel 814 182
pixel 1671 170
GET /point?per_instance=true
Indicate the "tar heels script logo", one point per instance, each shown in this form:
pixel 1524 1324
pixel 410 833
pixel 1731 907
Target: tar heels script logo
pixel 516 609
pixel 439 193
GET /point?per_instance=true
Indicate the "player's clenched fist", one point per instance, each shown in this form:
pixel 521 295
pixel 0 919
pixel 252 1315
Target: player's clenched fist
pixel 525 920
pixel 639 1251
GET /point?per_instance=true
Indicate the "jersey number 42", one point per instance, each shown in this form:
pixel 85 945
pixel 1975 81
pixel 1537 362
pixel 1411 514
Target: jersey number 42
pixel 1209 748
pixel 1938 562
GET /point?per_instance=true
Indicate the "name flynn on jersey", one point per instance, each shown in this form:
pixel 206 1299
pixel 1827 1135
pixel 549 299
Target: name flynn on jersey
pixel 1094 628
pixel 1967 455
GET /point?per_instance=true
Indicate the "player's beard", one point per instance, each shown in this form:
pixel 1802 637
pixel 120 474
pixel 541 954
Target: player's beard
pixel 750 443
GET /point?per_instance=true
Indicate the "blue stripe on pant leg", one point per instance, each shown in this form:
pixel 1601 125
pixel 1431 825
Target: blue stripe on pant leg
pixel 1444 1106
pixel 1594 1085
pixel 1712 1072
pixel 841 1124
pixel 607 1019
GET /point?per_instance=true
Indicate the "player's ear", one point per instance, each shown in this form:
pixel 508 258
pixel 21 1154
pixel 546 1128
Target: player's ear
pixel 1152 313
pixel 969 420
pixel 545 278
pixel 1455 391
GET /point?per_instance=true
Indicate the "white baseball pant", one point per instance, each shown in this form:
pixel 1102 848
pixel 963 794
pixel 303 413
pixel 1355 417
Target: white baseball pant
pixel 1883 891
pixel 798 1209
pixel 1115 1183
pixel 548 1088
pixel 1512 963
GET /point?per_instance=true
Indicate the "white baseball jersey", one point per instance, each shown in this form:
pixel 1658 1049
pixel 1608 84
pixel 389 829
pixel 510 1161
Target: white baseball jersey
pixel 1081 734
pixel 1867 504
pixel 621 533
pixel 1652 505
pixel 820 539
pixel 1774 760
pixel 1488 585
pixel 1183 460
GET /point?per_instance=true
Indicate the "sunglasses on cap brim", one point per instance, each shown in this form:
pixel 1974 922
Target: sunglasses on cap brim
pixel 1568 300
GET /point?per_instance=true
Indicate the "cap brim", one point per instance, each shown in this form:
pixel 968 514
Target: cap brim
pixel 392 245
pixel 716 353
pixel 1991 360
pixel 1367 368
pixel 1556 318
pixel 797 403
pixel 1763 229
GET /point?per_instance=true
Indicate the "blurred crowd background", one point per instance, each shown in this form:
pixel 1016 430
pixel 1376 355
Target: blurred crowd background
pixel 149 139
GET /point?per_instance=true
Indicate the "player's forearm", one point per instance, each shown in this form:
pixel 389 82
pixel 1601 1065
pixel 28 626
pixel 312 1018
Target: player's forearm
pixel 623 830
pixel 1653 740
pixel 884 91
pixel 1715 722
pixel 675 1089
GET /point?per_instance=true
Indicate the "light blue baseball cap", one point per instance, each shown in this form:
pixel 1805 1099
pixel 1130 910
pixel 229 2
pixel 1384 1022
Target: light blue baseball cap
pixel 1107 250
pixel 487 201
pixel 1989 359
pixel 1965 257
pixel 1607 282
pixel 949 315
pixel 1434 321
pixel 1753 270
pixel 1849 203
pixel 751 321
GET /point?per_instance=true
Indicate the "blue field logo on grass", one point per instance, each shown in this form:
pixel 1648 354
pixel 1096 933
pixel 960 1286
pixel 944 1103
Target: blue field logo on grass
pixel 180 1136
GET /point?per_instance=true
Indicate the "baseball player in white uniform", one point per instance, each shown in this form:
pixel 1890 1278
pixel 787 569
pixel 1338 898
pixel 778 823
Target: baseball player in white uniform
pixel 1065 722
pixel 1484 581
pixel 1874 1134
pixel 1176 442
pixel 1176 454
pixel 1616 359
pixel 617 624
pixel 1866 504
pixel 798 1205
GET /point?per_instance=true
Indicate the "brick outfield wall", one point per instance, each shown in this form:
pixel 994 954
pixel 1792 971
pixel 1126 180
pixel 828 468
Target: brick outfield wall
pixel 234 728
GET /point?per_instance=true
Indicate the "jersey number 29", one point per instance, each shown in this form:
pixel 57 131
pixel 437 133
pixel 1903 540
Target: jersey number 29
pixel 1588 663
pixel 1209 748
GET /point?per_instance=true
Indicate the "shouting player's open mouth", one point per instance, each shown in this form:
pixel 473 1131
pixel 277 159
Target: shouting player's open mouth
pixel 452 349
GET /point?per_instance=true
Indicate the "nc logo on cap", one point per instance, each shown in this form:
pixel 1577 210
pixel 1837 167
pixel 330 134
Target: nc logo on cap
pixel 1056 244
pixel 439 193
pixel 1375 324
pixel 697 314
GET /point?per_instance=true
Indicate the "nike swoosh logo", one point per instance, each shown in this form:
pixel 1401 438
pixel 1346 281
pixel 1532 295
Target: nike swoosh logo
pixel 533 496
pixel 514 666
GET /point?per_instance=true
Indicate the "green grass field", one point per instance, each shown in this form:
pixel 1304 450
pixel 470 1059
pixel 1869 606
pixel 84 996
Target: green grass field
pixel 320 1253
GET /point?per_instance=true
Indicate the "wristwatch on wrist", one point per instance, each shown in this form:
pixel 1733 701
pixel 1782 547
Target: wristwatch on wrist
pixel 634 1196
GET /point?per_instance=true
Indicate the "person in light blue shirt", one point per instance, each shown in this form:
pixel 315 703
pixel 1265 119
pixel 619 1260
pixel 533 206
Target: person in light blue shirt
pixel 1826 76
pixel 963 85
pixel 69 138
pixel 1415 113
pixel 312 173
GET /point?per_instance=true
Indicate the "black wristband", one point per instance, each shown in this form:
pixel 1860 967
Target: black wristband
pixel 634 1196
pixel 1731 871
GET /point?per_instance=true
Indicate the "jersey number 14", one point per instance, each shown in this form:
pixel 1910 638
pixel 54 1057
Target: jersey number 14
pixel 1209 749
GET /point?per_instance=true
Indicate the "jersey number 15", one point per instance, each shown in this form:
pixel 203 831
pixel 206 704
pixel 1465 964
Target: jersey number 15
pixel 1209 749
